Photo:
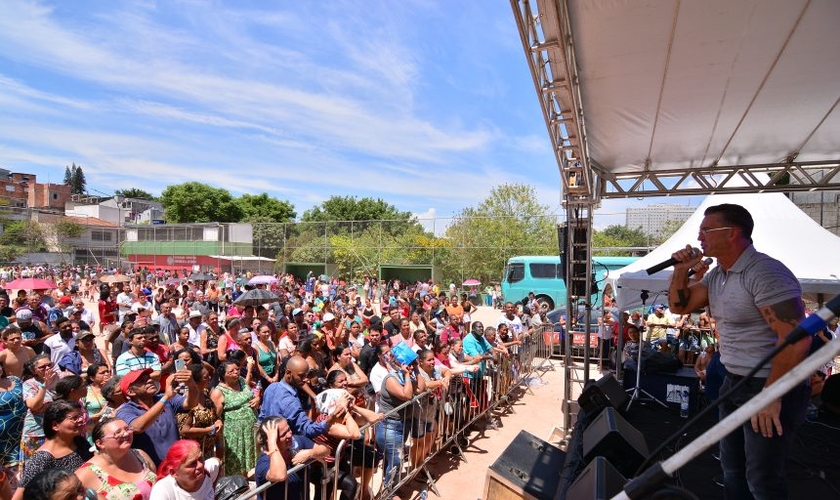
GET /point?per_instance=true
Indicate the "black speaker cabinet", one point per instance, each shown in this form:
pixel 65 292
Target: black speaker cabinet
pixel 613 438
pixel 604 392
pixel 598 481
pixel 529 468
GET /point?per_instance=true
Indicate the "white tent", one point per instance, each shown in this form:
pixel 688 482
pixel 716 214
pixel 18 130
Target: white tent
pixel 782 231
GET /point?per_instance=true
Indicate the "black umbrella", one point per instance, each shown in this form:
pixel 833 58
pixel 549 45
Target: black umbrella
pixel 200 277
pixel 256 297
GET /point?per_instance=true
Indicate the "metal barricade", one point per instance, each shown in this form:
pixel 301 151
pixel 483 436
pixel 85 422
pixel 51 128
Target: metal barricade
pixel 303 473
pixel 434 422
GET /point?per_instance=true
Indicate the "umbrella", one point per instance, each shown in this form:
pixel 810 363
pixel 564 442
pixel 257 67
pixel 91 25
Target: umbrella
pixel 114 278
pixel 200 277
pixel 263 279
pixel 173 281
pixel 471 282
pixel 256 297
pixel 30 284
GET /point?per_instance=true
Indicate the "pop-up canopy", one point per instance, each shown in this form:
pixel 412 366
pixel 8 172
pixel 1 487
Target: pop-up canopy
pixel 782 231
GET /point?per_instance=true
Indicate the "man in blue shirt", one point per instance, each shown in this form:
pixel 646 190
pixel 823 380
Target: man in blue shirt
pixel 152 417
pixel 285 399
pixel 477 348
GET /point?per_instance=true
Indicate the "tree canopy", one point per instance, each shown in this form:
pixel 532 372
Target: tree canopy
pixel 265 208
pixel 508 222
pixel 198 202
pixel 74 177
pixel 350 208
pixel 620 236
pixel 136 193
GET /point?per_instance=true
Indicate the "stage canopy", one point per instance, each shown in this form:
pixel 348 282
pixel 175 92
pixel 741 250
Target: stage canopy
pixel 782 231
pixel 680 97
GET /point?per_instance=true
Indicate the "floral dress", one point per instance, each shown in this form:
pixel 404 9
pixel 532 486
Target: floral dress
pixel 33 432
pixel 112 488
pixel 239 419
pixel 12 413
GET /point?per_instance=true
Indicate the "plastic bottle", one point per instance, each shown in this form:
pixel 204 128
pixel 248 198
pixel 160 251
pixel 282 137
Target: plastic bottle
pixel 684 404
pixel 424 494
pixel 257 392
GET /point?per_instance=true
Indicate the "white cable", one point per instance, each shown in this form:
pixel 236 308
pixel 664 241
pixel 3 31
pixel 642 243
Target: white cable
pixel 779 388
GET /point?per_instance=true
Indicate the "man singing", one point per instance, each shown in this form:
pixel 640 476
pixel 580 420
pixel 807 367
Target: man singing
pixel 756 302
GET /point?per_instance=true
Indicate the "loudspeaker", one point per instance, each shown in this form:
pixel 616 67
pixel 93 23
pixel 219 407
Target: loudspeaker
pixel 529 468
pixel 613 438
pixel 598 481
pixel 604 392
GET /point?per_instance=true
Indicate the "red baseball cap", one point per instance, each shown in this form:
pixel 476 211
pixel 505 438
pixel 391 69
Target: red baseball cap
pixel 129 378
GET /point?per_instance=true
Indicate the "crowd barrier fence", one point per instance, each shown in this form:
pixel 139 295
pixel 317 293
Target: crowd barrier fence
pixel 394 452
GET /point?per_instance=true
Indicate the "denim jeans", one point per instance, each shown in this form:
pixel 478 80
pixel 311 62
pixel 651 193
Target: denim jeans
pixel 754 467
pixel 390 439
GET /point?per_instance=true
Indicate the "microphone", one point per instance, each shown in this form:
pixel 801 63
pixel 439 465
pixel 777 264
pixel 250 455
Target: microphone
pixel 668 263
pixel 708 261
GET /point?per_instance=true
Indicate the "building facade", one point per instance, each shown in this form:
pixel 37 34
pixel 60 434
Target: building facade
pixel 652 218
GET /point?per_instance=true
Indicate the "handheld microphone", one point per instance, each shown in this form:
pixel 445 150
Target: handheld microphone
pixel 668 263
pixel 708 261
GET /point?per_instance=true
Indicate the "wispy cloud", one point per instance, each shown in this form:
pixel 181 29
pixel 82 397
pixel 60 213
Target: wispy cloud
pixel 404 101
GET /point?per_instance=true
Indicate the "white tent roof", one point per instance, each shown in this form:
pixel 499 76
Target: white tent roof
pixel 681 85
pixel 782 231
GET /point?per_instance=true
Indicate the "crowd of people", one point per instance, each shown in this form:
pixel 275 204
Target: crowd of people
pixel 157 391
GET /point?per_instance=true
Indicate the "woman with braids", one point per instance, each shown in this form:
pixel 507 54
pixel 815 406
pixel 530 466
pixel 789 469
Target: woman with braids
pixel 117 472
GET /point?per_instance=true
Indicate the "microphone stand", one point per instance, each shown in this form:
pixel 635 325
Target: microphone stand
pixel 637 390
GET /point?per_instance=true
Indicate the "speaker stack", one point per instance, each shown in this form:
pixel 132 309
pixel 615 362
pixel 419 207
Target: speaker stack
pixel 607 452
pixel 612 448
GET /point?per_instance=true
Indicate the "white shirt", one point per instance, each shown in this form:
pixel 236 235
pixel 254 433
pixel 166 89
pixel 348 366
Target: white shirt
pixel 514 325
pixel 58 347
pixel 88 317
pixel 168 489
pixel 377 376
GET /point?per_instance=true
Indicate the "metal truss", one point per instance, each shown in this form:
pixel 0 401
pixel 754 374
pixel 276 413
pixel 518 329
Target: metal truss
pixel 547 40
pixel 783 177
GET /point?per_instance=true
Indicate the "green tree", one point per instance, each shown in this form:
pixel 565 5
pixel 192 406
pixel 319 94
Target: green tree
pixel 198 202
pixel 340 209
pixel 59 235
pixel 620 236
pixel 668 228
pixel 508 222
pixel 135 193
pixel 269 236
pixel 267 207
pixel 78 182
pixel 68 176
pixel 22 236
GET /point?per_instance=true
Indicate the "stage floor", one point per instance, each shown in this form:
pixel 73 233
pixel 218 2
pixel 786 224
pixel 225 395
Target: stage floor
pixel 814 468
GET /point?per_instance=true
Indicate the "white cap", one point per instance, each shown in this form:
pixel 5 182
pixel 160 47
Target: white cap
pixel 195 314
pixel 329 317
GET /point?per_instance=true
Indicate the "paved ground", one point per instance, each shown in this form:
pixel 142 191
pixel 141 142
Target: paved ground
pixel 538 411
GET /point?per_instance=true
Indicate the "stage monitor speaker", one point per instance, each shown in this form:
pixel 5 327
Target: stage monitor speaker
pixel 529 468
pixel 604 392
pixel 613 438
pixel 598 481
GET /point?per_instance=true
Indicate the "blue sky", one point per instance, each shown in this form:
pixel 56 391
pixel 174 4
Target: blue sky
pixel 427 105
